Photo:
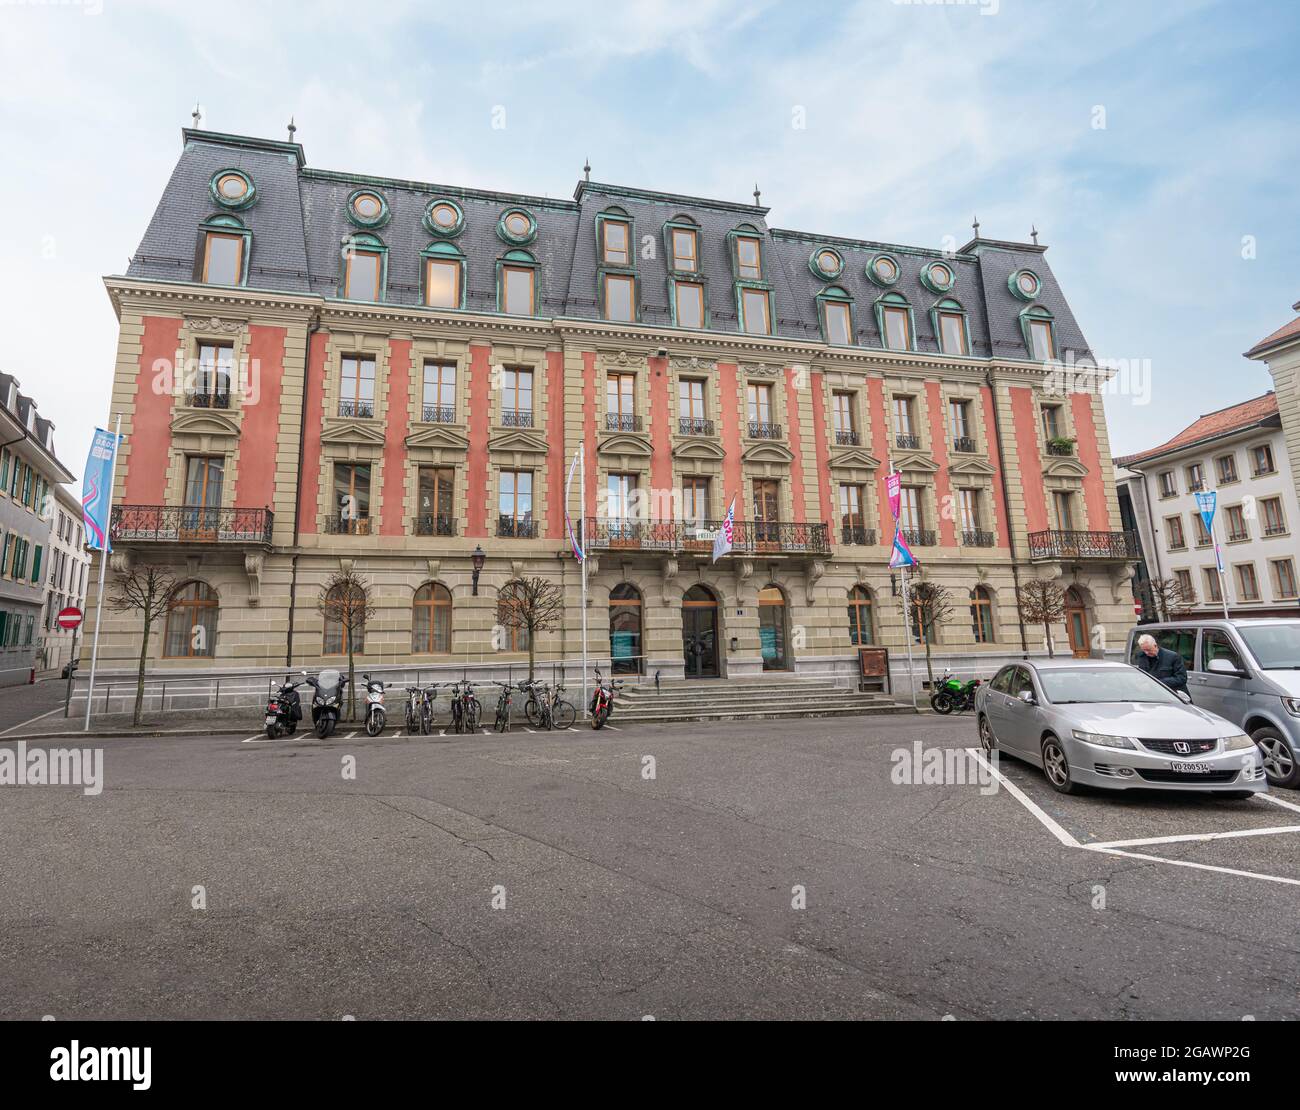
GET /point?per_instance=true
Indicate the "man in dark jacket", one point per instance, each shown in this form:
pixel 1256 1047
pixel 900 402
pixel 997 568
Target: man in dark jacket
pixel 1161 663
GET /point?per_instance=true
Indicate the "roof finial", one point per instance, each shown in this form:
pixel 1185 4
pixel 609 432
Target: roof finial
pixel 292 128
pixel 196 115
pixel 976 226
pixel 586 169
pixel 1033 234
pixel 757 195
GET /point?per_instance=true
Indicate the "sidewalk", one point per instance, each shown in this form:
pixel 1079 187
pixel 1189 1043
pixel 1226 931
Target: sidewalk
pixel 243 722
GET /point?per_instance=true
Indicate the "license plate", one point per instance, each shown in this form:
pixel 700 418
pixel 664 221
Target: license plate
pixel 1191 768
pixel 270 720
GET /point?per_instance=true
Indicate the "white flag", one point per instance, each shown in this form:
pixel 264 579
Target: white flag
pixel 574 540
pixel 726 534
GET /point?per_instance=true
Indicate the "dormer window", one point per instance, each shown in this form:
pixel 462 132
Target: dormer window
pixel 894 319
pixel 1037 327
pixel 755 312
pixel 364 265
pixel 620 298
pixel 688 304
pixel 949 319
pixel 685 249
pixel 837 316
pixel 616 247
pixel 225 247
pixel 749 259
pixel 444 276
pixel 517 284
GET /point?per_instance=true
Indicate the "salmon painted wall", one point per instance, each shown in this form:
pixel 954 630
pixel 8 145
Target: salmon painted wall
pixel 151 435
pixel 1024 423
pixel 939 450
pixel 796 446
pixel 476 458
pixel 1094 489
pixel 729 412
pixel 259 434
pixel 880 448
pixel 661 440
pixel 396 426
pixel 314 401
pixel 999 495
pixel 821 446
pixel 555 471
pixel 589 429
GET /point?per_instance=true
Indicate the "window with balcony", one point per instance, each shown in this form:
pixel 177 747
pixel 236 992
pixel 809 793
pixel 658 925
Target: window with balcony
pixel 351 500
pixel 1167 483
pixel 1225 468
pixel 767 510
pixel 910 516
pixel 1174 538
pixel 1247 582
pixel 1213 585
pixel 1063 510
pixel 691 417
pixel 1271 511
pixel 688 304
pixel 695 499
pixel 970 511
pixel 516 398
pixel 905 428
pixel 436 501
pixel 1051 417
pixel 438 399
pixel 1261 460
pixel 1284 579
pixel 620 500
pixel 759 396
pixel 1186 588
pixel 853 528
pixel 1202 533
pixel 357 386
pixel 1237 528
pixel 211 386
pixel 844 410
pixel 755 312
pixel 204 485
pixel 963 430
pixel 515 505
pixel 1195 478
pixel 620 403
pixel 620 298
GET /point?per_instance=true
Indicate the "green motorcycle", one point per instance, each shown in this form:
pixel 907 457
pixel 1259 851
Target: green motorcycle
pixel 953 695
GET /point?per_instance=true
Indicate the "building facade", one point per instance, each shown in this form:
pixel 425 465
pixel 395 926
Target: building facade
pixel 30 472
pixel 320 370
pixel 69 575
pixel 1241 453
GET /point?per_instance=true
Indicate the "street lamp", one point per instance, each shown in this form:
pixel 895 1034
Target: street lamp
pixel 477 559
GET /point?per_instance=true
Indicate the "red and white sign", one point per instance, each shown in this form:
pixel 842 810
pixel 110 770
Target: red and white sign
pixel 70 617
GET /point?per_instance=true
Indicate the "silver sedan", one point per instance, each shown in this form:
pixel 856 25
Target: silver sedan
pixel 1091 723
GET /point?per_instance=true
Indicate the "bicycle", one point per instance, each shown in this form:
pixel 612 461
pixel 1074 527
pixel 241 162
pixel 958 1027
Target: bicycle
pixel 504 700
pixel 537 709
pixel 465 707
pixel 413 698
pixel 562 711
pixel 427 697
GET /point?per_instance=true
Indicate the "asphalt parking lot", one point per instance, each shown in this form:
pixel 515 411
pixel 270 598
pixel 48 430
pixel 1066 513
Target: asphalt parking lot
pixel 764 869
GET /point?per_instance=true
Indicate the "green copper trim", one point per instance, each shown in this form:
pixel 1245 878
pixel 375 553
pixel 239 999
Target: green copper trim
pixel 435 228
pixel 932 279
pixel 949 307
pixel 367 244
pixel 238 204
pixel 520 259
pixel 880 279
pixel 895 300
pixel 1013 283
pixel 507 236
pixel 834 293
pixel 442 252
pixel 1037 313
pixel 819 271
pixel 231 225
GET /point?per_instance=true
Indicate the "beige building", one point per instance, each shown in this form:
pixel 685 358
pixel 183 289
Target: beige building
pixel 320 371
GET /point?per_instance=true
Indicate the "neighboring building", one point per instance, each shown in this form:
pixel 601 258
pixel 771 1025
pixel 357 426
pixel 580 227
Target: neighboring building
pixel 1280 352
pixel 69 576
pixel 391 375
pixel 1239 452
pixel 29 473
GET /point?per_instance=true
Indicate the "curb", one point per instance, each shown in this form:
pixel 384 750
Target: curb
pixel 119 734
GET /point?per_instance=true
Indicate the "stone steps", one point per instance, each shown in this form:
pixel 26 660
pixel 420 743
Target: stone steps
pixel 757 697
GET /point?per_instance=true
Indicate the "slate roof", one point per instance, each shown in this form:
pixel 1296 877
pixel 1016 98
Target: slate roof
pixel 1248 414
pixel 298 222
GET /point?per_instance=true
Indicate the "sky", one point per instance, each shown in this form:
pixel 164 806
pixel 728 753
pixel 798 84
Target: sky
pixel 1152 145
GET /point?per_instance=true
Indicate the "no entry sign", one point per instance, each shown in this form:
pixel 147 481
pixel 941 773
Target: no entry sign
pixel 70 617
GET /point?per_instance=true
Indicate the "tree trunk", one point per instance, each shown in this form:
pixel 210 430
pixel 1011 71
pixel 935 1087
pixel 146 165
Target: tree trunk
pixel 929 668
pixel 139 679
pixel 532 653
pixel 1047 632
pixel 352 681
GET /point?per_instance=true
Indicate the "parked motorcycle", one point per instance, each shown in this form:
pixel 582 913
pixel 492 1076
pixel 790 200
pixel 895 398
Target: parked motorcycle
pixel 953 695
pixel 602 700
pixel 283 710
pixel 375 716
pixel 327 702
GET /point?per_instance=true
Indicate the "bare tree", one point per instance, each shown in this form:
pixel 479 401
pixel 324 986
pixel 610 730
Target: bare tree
pixel 345 601
pixel 1041 601
pixel 534 604
pixel 930 606
pixel 1169 598
pixel 145 589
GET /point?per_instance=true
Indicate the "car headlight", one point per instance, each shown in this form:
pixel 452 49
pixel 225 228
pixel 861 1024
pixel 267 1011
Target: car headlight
pixel 1237 743
pixel 1292 706
pixel 1104 741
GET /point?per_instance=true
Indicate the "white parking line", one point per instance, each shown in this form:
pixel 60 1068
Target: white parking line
pixel 1189 863
pixel 1187 837
pixel 1020 796
pixel 613 728
pixel 349 736
pixel 528 730
pixel 38 717
pixel 1278 802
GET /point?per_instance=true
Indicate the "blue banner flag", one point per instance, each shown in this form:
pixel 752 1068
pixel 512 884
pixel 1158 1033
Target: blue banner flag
pixel 1206 502
pixel 902 554
pixel 97 489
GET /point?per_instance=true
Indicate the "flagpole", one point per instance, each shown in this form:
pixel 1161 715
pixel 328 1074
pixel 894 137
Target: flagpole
pixel 907 631
pixel 103 566
pixel 582 538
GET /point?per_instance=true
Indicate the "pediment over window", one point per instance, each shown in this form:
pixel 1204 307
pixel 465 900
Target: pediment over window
pixel 917 464
pixel 520 442
pixel 623 444
pixel 768 452
pixel 854 459
pixel 1064 467
pixel 693 448
pixel 204 422
pixel 438 437
pixel 976 467
pixel 361 433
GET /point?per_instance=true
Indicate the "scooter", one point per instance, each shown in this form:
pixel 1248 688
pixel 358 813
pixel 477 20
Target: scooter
pixel 375 716
pixel 283 710
pixel 953 695
pixel 327 702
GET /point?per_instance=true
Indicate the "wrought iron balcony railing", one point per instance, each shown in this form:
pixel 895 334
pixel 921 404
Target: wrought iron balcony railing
pixel 340 524
pixel 919 537
pixel 1053 544
pixel 438 414
pixel 428 524
pixel 976 538
pixel 963 445
pixel 748 536
pixel 357 408
pixel 622 422
pixel 208 400
pixel 516 528
pixel 908 442
pixel 511 419
pixel 758 429
pixel 848 438
pixel 182 524
pixel 1060 447
pixel 694 426
pixel 857 535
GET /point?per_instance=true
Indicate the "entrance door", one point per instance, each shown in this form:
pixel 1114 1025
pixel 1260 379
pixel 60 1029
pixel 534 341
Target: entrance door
pixel 1076 624
pixel 700 633
pixel 771 629
pixel 625 630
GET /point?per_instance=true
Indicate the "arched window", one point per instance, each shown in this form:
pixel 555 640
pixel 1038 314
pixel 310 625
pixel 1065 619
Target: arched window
pixel 625 638
pixel 443 276
pixel 431 620
pixel 345 618
pixel 514 638
pixel 836 309
pixel 191 631
pixel 981 615
pixel 365 268
pixel 948 319
pixel 1039 330
pixel 894 321
pixel 861 626
pixel 517 284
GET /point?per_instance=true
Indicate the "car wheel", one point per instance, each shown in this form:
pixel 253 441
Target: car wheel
pixel 1279 757
pixel 1056 767
pixel 987 740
